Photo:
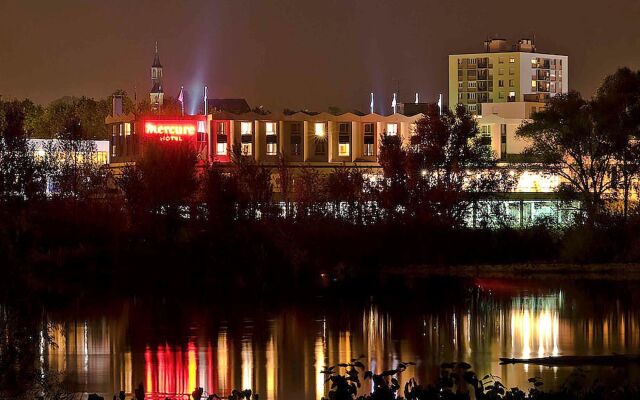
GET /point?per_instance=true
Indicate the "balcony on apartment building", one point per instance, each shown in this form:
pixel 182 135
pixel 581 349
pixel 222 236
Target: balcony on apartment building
pixel 485 86
pixel 541 63
pixel 484 63
pixel 542 75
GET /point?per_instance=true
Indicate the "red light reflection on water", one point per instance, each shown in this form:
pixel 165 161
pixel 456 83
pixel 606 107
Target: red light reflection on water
pixel 174 372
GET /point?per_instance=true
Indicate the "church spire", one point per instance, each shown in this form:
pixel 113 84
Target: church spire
pixel 156 58
pixel 157 93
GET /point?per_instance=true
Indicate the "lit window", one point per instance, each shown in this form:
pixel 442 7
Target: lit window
pixel 369 139
pixel 319 129
pixel 512 60
pixel 221 139
pixel 344 140
pixel 272 138
pixel 246 138
pixel 392 129
pixel 270 128
pixel 471 84
pixel 512 94
pixel 534 84
pixel 222 128
pixel 201 128
pixel 246 128
pixel 127 129
pixel 221 149
pixel 321 142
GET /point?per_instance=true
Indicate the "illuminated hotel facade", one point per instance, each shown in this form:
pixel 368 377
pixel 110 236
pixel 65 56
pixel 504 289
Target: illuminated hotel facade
pixel 326 141
pixel 302 139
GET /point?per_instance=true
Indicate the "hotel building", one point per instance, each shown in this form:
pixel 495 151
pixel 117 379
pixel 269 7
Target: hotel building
pixel 502 74
pixel 502 88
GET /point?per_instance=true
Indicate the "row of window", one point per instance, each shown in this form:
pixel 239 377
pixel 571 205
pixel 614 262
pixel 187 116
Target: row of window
pixel 483 61
pixel 474 84
pixel 295 139
pixel 123 129
pixel 474 95
pixel 471 74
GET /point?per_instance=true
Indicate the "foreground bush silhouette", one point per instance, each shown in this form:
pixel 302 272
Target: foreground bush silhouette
pixel 457 381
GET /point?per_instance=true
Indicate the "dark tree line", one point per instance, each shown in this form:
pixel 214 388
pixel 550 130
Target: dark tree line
pixel 592 144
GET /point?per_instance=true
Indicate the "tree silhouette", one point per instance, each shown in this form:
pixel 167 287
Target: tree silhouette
pixel 572 145
pixel 616 108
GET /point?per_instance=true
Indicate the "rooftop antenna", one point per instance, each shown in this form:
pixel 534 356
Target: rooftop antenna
pixel 371 104
pixel 394 103
pixel 397 91
pixel 206 110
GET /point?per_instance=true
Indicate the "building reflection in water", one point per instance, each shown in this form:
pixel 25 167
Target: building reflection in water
pixel 283 356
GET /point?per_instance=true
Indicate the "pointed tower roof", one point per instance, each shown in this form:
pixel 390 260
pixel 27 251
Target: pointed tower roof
pixel 156 58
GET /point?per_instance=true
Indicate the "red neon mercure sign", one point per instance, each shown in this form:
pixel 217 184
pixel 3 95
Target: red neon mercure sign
pixel 171 130
pixel 166 130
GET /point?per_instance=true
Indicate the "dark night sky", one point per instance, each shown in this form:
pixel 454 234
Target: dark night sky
pixel 295 53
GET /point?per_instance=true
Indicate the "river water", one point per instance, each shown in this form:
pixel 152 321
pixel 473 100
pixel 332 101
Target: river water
pixel 279 350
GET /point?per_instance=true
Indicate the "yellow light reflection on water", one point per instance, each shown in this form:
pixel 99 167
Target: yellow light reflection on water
pixel 319 353
pixel 535 325
pixel 191 366
pixel 247 364
pixel 128 373
pixel 272 368
pixel 223 357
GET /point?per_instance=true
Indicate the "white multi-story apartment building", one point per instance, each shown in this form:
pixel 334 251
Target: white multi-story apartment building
pixel 502 74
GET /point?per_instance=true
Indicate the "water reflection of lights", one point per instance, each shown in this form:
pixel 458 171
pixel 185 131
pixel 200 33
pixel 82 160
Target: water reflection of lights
pixel 272 368
pixel 535 324
pixel 247 364
pixel 377 329
pixel 319 356
pixel 224 366
pixel 484 328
